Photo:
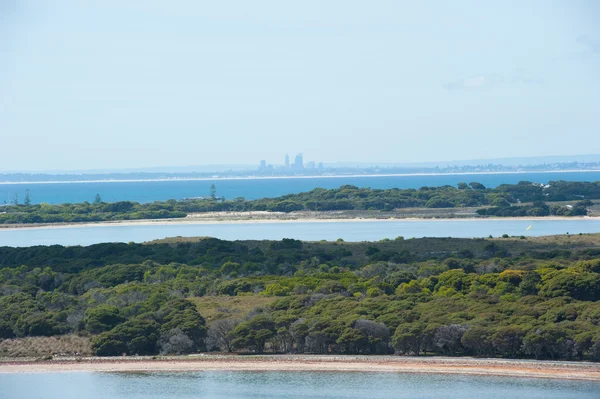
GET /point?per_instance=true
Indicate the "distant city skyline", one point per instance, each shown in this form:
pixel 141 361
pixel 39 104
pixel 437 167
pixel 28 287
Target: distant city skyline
pixel 515 161
pixel 297 165
pixel 311 169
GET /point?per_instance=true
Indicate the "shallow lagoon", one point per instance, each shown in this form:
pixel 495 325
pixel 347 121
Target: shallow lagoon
pixel 310 231
pixel 292 385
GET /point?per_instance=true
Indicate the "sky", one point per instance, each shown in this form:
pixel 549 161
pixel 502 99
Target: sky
pixel 111 84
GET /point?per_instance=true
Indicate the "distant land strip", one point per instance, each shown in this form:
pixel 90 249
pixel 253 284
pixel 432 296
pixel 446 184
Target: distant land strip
pixel 467 200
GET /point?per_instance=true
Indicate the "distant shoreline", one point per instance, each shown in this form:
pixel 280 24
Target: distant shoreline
pixel 422 365
pixel 225 220
pixel 288 177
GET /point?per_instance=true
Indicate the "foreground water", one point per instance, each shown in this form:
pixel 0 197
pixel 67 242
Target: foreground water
pixel 308 231
pixel 291 385
pixel 258 188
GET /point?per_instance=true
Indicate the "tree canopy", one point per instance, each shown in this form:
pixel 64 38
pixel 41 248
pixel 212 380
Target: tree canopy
pixel 506 297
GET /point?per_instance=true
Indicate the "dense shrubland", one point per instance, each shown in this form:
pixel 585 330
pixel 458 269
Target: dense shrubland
pixel 501 201
pixel 538 208
pixel 514 298
pixel 86 212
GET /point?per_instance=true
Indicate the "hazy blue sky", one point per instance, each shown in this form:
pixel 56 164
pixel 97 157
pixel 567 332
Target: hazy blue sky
pixel 136 83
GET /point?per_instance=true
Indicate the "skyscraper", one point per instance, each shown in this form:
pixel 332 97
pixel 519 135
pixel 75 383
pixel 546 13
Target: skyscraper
pixel 263 165
pixel 287 161
pixel 299 161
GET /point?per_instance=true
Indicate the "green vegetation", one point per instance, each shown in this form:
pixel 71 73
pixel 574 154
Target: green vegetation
pixel 538 208
pixel 86 212
pixel 465 195
pixel 501 201
pixel 505 297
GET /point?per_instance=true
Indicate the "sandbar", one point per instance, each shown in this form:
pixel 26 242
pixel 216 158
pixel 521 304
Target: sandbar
pixel 240 218
pixel 398 364
pixel 325 176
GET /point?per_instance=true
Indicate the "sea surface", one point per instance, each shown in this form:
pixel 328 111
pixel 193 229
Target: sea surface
pixel 290 385
pixel 308 231
pixel 149 191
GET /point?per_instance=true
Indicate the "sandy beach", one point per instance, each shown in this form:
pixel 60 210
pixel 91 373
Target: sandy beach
pixel 277 217
pixel 438 365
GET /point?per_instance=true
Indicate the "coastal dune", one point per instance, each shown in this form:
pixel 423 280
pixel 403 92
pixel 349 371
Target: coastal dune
pixel 437 365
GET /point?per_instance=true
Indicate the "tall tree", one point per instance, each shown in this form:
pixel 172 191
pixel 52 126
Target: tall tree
pixel 220 334
pixel 27 200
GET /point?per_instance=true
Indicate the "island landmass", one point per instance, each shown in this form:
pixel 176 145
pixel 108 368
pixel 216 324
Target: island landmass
pixel 472 200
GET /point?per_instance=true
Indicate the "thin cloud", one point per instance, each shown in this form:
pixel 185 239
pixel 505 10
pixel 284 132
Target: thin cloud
pixel 517 78
pixel 520 77
pixel 474 82
pixel 592 44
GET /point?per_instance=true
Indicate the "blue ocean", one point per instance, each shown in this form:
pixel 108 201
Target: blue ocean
pixel 149 191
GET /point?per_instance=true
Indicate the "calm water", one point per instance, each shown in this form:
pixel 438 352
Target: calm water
pixel 257 188
pixel 277 385
pixel 310 231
